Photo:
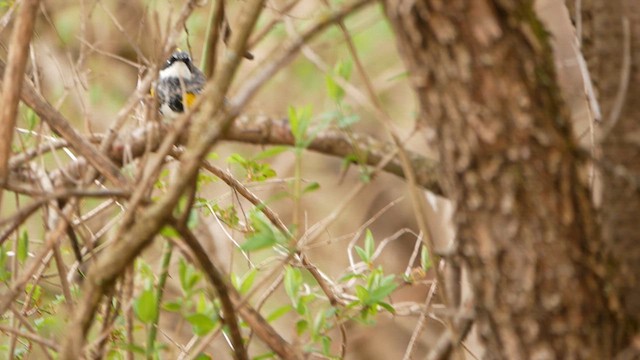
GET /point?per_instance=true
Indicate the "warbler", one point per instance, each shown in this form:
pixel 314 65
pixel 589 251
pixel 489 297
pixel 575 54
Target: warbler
pixel 178 85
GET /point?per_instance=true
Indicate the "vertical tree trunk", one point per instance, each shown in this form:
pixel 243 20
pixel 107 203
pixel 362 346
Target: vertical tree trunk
pixel 484 76
pixel 613 56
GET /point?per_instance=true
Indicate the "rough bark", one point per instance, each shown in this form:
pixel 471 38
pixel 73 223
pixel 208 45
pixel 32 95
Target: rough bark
pixel 528 233
pixel 613 58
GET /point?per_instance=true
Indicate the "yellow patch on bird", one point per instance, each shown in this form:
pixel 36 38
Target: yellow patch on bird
pixel 152 92
pixel 190 99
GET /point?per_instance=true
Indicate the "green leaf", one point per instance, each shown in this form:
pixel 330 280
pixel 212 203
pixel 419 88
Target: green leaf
pixel 189 276
pixel 376 295
pixel 192 219
pixel 37 291
pixel 203 305
pixel 145 306
pixel 318 323
pixel 326 345
pixel 387 307
pixel 300 119
pixel 292 282
pixel 201 323
pixel 23 247
pixel 369 244
pixel 262 236
pixel 362 254
pixel 269 355
pixel 133 347
pixel 271 152
pixel 173 306
pixel 301 326
pixel 344 68
pixel 169 232
pixel 335 91
pixel 247 281
pixel 278 313
pixel 362 293
pixel 236 158
pixel 311 187
pixel 425 259
pixel 202 356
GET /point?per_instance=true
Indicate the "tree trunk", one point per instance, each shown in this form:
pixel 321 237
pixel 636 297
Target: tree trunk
pixel 613 57
pixel 484 76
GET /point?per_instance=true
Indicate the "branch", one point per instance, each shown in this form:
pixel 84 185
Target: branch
pixel 12 82
pixel 258 130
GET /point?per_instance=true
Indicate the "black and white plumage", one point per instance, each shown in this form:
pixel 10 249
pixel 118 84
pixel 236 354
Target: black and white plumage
pixel 178 84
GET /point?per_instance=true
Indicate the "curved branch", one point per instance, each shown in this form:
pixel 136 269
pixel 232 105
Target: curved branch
pixel 258 130
pixel 13 79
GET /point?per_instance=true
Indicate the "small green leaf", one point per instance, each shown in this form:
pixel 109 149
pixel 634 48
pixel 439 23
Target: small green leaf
pixel 301 326
pixel 369 245
pixel 387 307
pixel 173 306
pixel 335 91
pixel 326 345
pixel 236 158
pixel 192 219
pixel 145 306
pixel 203 305
pixel 300 119
pixel 311 187
pixel 262 236
pixel 376 295
pixel 132 347
pixel 362 254
pixel 343 69
pixel 362 293
pixel 247 281
pixel 201 324
pixel 292 282
pixel 189 276
pixel 265 356
pixel 23 247
pixel 425 259
pixel 202 356
pixel 37 292
pixel 278 313
pixel 169 232
pixel 271 152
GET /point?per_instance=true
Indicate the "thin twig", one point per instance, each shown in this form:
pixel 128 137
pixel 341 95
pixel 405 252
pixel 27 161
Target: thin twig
pixel 30 336
pixel 421 322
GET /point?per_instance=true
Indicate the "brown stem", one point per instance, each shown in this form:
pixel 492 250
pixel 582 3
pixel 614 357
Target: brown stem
pixel 12 82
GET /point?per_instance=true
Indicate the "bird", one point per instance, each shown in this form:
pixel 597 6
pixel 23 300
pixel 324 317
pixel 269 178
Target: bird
pixel 179 83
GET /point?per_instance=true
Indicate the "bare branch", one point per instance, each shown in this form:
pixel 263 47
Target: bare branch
pixel 12 82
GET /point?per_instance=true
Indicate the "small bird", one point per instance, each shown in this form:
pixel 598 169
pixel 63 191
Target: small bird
pixel 178 84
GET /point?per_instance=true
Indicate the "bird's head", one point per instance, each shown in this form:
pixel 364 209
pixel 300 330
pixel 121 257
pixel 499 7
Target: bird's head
pixel 179 65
